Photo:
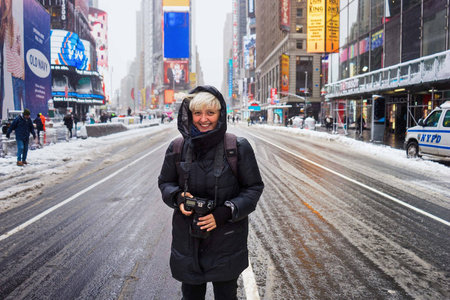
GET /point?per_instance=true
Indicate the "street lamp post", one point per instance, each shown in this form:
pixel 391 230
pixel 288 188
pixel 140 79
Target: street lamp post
pixel 306 91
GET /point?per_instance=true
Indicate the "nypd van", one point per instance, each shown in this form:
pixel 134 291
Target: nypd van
pixel 432 135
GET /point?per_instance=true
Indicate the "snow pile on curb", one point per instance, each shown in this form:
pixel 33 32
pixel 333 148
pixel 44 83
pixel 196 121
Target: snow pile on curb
pixel 395 157
pixel 51 162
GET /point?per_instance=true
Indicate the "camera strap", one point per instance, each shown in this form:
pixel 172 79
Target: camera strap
pixel 218 167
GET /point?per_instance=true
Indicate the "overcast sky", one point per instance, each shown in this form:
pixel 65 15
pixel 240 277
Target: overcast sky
pixel 210 20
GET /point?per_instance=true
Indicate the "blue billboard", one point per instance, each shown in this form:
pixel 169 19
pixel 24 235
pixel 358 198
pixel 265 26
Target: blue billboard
pixel 38 80
pixel 176 34
pixel 69 50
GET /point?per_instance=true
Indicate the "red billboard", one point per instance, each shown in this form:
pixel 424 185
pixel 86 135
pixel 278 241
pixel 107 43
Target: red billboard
pixel 169 96
pixel 285 15
pixel 176 72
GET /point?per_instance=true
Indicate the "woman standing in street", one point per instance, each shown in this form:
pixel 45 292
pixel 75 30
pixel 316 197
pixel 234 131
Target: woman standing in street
pixel 210 198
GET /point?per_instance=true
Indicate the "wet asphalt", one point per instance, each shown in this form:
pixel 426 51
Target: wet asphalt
pixel 314 235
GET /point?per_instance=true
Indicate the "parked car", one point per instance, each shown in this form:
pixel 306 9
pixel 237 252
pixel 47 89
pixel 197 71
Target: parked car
pixel 432 135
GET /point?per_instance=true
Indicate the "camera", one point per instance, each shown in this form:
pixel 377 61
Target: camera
pixel 200 207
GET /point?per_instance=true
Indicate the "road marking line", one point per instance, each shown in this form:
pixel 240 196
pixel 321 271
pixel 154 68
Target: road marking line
pixel 358 183
pixel 251 289
pixel 51 209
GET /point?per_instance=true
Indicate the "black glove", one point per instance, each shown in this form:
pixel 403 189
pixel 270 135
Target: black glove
pixel 179 199
pixel 7 135
pixel 222 214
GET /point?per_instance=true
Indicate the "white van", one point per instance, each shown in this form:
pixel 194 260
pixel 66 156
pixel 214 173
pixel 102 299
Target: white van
pixel 432 135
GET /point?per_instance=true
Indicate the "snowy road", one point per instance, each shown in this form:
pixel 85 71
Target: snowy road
pixel 315 234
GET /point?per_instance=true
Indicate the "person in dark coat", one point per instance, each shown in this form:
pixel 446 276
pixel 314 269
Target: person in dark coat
pixel 68 121
pixel 23 127
pixel 222 256
pixel 39 126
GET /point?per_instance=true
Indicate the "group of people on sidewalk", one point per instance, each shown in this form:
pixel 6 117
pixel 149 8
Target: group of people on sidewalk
pixel 23 127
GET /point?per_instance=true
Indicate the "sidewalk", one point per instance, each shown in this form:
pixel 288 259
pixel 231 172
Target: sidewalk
pixel 57 134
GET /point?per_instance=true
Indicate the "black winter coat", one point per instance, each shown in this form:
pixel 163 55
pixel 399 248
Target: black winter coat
pixel 223 255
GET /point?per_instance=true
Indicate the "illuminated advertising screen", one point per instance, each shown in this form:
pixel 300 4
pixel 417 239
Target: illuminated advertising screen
pixel 69 50
pixel 316 26
pixel 98 19
pixel 332 26
pixel 285 15
pixel 175 2
pixel 176 72
pixel 249 51
pixel 284 70
pixel 169 96
pixel 323 26
pixel 176 34
pixel 25 58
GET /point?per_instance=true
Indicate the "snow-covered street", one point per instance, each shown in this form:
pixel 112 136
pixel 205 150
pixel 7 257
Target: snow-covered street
pixel 338 218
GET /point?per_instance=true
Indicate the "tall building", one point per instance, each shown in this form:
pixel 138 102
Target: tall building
pixel 227 84
pixel 77 85
pixel 391 68
pixel 288 78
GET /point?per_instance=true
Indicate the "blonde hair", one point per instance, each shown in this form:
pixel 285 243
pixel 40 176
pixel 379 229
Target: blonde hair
pixel 203 100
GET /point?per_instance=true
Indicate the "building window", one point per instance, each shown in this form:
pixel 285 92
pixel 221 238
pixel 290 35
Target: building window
pixel 299 44
pixel 299 28
pixel 411 33
pixel 434 27
pixel 304 66
pixel 98 34
pixel 299 12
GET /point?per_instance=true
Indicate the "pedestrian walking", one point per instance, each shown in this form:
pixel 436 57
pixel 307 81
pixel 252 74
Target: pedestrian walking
pixel 68 121
pixel 23 127
pixel 211 202
pixel 76 119
pixel 140 118
pixel 39 127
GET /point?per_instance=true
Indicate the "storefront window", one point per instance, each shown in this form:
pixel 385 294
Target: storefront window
pixel 352 56
pixel 364 16
pixel 434 23
pixel 343 65
pixel 392 45
pixel 363 58
pixel 353 20
pixel 411 34
pixel 303 64
pixel 376 61
pixel 377 7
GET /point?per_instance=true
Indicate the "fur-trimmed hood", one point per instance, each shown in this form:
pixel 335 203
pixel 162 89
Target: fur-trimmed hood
pixel 214 136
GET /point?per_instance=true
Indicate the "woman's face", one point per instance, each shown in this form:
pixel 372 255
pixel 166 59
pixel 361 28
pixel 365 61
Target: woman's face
pixel 205 119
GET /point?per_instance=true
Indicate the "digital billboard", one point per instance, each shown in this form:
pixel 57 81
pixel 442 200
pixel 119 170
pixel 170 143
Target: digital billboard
pixel 249 51
pixel 169 96
pixel 284 76
pixel 176 72
pixel 323 26
pixel 332 26
pixel 69 50
pixel 175 2
pixel 176 34
pixel 25 53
